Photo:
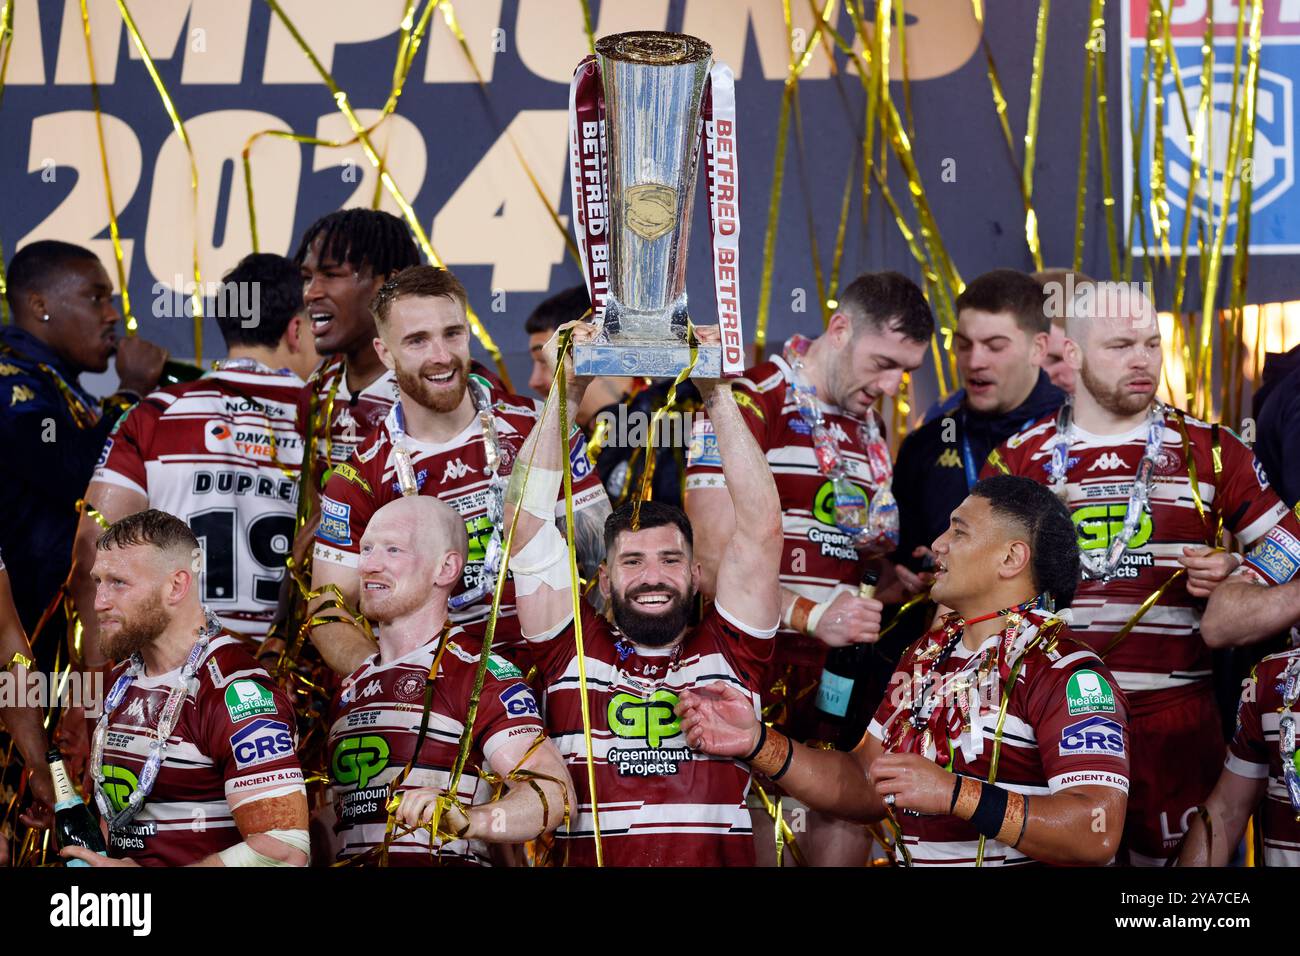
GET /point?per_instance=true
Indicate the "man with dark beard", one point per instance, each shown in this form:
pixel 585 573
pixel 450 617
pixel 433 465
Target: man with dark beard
pixel 1149 489
pixel 452 435
pixel 645 799
pixel 194 757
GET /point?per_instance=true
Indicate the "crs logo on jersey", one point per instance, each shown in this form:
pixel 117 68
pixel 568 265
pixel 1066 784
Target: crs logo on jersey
pixel 1094 736
pixel 579 462
pixel 261 742
pixel 519 701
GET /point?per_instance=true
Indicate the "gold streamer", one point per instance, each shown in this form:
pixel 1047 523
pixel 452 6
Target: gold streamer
pixel 408 213
pixel 1103 150
pixel 178 124
pixel 128 317
pixel 1096 36
pixel 1159 197
pixel 586 25
pixel 1137 129
pixel 6 43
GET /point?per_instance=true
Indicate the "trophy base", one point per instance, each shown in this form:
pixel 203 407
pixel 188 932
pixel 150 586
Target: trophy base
pixel 646 360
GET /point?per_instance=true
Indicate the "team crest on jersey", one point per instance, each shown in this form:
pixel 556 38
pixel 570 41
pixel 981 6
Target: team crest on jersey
pixel 1168 462
pixel 1107 461
pixel 409 688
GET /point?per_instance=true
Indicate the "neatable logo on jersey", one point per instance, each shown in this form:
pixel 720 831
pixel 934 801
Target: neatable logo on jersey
pixel 247 698
pixel 502 669
pixel 119 783
pixel 1277 555
pixel 358 760
pixel 653 720
pixel 335 522
pixel 1097 736
pixel 261 742
pixel 1089 693
pixel 519 701
pixel 1098 524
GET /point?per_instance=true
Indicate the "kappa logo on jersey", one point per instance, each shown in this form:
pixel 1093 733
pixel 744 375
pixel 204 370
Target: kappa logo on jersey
pixel 119 783
pixel 653 720
pixel 260 742
pixel 370 690
pixel 1098 524
pixel 949 459
pixel 456 470
pixel 358 760
pixel 335 522
pixel 1097 736
pixel 1088 693
pixel 519 701
pixel 247 698
pixel 135 711
pixel 1108 461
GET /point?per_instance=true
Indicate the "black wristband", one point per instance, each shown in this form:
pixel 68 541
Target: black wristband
pixel 762 739
pixel 991 811
pixel 789 756
pixel 956 792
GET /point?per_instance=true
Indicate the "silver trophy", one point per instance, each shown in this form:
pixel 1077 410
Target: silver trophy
pixel 654 87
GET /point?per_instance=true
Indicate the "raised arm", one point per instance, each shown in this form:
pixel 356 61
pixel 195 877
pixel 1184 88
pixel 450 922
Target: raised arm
pixel 749 573
pixel 538 553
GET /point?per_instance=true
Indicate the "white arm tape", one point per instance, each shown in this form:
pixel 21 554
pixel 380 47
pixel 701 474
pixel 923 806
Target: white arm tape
pixel 542 561
pixel 542 492
pixel 241 854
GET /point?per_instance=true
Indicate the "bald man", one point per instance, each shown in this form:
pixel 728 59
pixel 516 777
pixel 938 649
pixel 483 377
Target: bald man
pixel 397 721
pixel 1148 519
pixel 228 789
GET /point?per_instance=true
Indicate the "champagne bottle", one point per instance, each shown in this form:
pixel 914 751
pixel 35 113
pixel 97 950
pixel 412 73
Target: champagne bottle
pixel 173 373
pixel 842 684
pixel 73 824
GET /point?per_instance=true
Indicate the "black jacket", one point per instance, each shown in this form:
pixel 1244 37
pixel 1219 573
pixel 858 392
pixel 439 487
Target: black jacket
pixel 51 457
pixel 930 477
pixel 1277 424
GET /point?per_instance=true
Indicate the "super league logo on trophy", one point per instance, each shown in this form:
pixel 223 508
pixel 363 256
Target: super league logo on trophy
pixel 639 111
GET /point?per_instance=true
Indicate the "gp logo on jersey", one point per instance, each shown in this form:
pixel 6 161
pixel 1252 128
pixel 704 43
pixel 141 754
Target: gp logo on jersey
pixel 261 742
pixel 1094 736
pixel 1096 525
pixel 519 701
pixel 358 760
pixel 119 783
pixel 824 503
pixel 653 720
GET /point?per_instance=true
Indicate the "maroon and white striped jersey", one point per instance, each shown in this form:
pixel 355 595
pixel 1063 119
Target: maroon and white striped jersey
pixel 1255 753
pixel 374 728
pixel 455 471
pixel 661 803
pixel 1066 726
pixel 222 453
pixel 819 559
pixel 352 418
pixel 234 743
pixel 1164 651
